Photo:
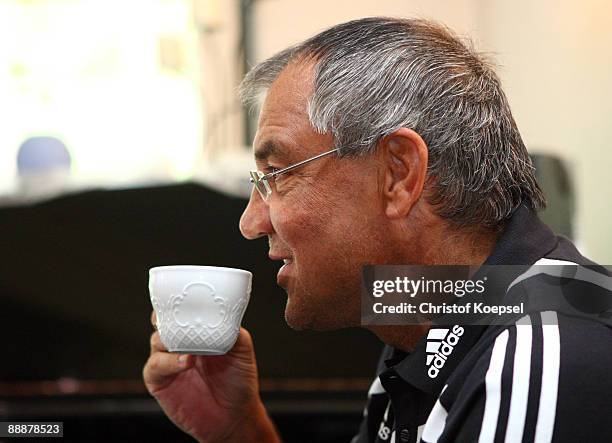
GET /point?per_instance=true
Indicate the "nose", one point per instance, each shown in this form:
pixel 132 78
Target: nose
pixel 255 220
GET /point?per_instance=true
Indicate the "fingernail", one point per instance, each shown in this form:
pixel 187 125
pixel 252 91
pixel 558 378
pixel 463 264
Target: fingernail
pixel 182 359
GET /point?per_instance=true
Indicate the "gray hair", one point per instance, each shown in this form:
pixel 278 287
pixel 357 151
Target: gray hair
pixel 376 75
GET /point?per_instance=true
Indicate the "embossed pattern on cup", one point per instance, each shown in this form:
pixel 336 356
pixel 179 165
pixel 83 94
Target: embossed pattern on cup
pixel 199 308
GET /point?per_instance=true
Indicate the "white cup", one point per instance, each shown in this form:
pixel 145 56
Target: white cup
pixel 199 308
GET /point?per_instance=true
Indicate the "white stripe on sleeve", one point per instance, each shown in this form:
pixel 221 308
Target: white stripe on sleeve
pixel 555 268
pixel 520 381
pixel 435 422
pixel 550 378
pixel 493 389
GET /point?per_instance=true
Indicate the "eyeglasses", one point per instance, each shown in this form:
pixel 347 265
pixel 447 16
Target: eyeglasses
pixel 264 182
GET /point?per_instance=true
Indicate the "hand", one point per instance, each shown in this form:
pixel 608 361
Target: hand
pixel 213 398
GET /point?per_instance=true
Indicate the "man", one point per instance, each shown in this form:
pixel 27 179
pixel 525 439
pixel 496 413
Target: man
pixel 387 141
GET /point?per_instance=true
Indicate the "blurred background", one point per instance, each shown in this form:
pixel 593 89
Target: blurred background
pixel 123 146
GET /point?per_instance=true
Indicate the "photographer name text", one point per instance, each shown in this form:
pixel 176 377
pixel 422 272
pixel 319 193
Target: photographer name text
pixel 431 308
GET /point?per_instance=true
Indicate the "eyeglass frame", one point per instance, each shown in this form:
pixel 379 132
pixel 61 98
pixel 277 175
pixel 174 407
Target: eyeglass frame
pixel 258 177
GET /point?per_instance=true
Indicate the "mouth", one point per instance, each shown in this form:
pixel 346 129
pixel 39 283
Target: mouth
pixel 285 270
pixel 286 263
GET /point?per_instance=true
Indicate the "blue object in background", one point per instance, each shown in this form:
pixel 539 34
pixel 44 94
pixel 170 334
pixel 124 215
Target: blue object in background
pixel 42 154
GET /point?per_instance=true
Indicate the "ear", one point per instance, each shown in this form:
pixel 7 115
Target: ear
pixel 405 159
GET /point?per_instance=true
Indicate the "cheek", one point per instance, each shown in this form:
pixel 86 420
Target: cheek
pixel 323 223
pixel 302 221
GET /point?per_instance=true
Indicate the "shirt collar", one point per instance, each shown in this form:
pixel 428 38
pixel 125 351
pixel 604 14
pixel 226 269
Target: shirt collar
pixel 525 239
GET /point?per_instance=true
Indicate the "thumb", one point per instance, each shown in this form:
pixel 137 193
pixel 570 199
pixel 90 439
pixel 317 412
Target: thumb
pixel 162 367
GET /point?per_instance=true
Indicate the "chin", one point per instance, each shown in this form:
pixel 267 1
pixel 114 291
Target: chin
pixel 297 322
pixel 304 321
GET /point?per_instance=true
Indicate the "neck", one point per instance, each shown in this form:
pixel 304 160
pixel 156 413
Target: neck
pixel 440 245
pixel 404 337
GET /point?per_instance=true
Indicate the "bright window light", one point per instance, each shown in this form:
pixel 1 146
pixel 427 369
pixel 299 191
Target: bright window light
pixel 116 82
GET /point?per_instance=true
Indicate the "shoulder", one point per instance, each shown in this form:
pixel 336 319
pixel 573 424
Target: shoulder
pixel 546 377
pixel 547 346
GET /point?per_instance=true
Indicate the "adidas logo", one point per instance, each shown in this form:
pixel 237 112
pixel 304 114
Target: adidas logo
pixel 440 344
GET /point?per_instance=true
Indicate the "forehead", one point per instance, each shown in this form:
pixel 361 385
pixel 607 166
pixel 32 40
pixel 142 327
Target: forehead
pixel 284 129
pixel 291 89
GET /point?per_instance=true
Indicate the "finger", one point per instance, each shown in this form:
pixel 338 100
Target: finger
pixel 162 365
pixel 244 339
pixel 244 345
pixel 154 319
pixel 156 343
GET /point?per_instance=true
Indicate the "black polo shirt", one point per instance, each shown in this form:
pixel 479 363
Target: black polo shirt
pixel 548 377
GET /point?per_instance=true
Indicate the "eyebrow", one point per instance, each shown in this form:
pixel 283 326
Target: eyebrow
pixel 268 149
